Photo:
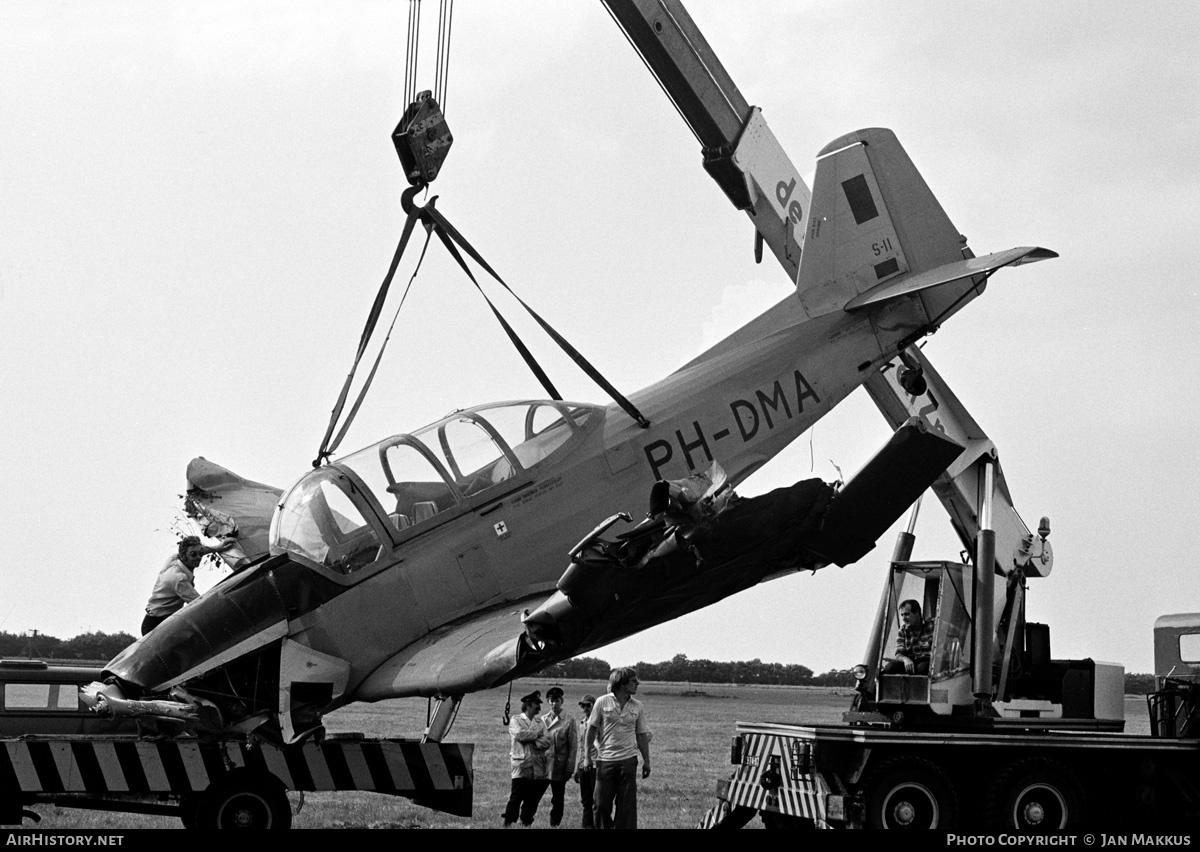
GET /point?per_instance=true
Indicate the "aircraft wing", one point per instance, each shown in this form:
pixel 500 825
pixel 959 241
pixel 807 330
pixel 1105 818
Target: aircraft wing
pixel 478 653
pixel 615 589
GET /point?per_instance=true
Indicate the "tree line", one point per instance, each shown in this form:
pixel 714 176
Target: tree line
pixel 85 646
pixel 105 646
pixel 680 669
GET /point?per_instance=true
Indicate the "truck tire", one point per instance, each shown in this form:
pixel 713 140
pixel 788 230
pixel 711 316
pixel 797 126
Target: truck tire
pixel 1036 795
pixel 244 801
pixel 909 792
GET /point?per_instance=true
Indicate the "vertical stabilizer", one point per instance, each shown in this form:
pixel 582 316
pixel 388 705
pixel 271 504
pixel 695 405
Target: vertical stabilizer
pixel 874 220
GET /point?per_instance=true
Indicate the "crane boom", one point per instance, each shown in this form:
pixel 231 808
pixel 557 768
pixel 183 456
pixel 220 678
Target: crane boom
pixel 738 148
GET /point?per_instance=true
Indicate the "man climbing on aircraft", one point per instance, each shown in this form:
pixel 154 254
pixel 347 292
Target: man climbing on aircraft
pixel 914 642
pixel 175 586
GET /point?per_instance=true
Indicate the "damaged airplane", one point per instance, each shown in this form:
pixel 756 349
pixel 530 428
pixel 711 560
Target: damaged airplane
pixel 431 563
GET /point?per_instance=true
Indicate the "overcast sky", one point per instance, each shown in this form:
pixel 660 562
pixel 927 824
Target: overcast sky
pixel 199 201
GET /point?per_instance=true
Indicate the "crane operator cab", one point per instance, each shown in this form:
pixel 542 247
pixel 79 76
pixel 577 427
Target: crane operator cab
pixel 1028 688
pixel 942 592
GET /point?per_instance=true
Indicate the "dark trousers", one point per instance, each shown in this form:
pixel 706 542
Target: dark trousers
pixel 524 800
pixel 587 788
pixel 920 667
pixel 616 783
pixel 151 621
pixel 558 795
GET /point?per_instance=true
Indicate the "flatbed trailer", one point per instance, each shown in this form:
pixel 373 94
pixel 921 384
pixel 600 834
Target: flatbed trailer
pixel 230 783
pixel 842 776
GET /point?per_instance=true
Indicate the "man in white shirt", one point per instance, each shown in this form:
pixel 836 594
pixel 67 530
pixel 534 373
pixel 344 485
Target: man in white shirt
pixel 175 587
pixel 619 729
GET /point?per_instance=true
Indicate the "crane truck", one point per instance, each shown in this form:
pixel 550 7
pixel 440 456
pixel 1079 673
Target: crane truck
pixel 997 733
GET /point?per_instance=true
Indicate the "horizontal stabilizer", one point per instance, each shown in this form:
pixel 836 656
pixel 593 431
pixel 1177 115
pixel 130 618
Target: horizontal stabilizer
pixel 877 496
pixel 948 273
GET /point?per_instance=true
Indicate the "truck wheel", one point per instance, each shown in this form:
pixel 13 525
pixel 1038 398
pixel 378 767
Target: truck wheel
pixel 909 792
pixel 1037 796
pixel 244 801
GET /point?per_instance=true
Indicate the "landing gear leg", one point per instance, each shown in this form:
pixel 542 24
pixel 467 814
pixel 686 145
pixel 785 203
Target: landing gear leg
pixel 441 718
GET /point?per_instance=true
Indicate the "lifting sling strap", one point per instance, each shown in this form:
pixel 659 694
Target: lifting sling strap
pixel 435 222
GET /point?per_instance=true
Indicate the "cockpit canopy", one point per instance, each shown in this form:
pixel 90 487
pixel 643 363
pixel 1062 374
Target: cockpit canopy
pixel 350 513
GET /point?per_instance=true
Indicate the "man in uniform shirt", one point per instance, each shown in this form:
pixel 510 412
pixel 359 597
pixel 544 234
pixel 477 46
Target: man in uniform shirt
pixel 560 760
pixel 586 778
pixel 619 730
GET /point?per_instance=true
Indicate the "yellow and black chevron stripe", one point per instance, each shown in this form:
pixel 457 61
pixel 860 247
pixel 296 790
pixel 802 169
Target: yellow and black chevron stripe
pixel 801 793
pixel 100 765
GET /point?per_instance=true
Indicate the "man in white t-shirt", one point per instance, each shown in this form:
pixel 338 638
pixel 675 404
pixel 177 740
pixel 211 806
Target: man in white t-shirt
pixel 619 730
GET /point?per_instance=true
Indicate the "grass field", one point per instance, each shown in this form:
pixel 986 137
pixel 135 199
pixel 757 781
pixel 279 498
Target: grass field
pixel 692 725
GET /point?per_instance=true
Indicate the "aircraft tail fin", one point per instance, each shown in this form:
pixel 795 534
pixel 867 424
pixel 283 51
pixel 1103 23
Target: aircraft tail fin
pixel 876 232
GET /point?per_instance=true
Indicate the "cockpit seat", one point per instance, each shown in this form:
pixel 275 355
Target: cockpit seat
pixel 400 521
pixel 423 510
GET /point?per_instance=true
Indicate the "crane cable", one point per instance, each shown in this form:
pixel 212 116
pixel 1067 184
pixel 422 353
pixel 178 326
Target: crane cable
pixel 441 80
pixel 411 49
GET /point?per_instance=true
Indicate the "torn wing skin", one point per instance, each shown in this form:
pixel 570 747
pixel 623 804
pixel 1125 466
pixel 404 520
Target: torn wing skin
pixel 229 506
pixel 612 590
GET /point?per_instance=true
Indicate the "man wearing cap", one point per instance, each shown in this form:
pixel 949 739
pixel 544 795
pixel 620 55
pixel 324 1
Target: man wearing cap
pixel 619 730
pixel 529 746
pixel 586 778
pixel 560 760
